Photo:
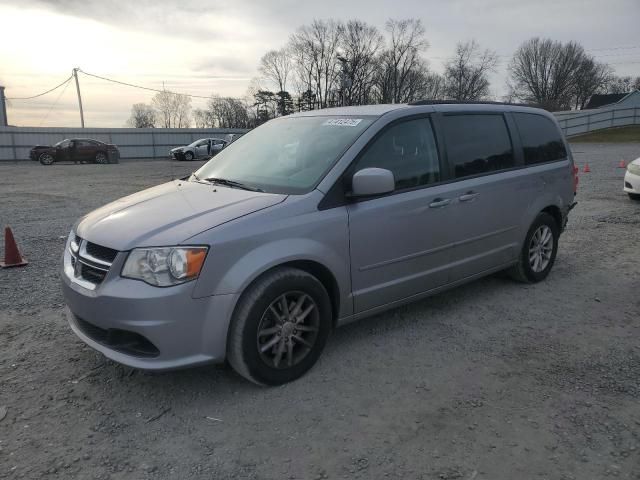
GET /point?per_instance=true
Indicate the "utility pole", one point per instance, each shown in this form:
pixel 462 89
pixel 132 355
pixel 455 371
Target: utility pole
pixel 75 75
pixel 3 109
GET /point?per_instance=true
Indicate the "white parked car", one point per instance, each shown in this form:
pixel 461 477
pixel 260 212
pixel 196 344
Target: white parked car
pixel 203 148
pixel 632 180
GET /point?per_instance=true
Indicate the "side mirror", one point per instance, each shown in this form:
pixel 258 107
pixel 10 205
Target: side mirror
pixel 372 181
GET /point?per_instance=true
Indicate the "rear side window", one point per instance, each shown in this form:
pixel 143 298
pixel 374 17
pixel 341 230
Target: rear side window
pixel 477 144
pixel 540 138
pixel 408 150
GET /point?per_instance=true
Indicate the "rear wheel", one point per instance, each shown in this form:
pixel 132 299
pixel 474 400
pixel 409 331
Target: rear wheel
pixel 46 159
pixel 539 251
pixel 634 196
pixel 188 156
pixel 101 158
pixel 280 327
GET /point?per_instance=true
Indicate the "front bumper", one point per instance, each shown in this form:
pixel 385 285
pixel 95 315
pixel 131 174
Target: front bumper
pixel 184 331
pixel 632 183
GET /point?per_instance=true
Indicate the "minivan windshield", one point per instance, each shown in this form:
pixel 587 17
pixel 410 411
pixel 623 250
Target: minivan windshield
pixel 287 155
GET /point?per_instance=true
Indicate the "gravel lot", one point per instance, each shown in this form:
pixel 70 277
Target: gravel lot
pixel 493 380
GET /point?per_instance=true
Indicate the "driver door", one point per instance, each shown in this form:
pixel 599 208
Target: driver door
pixel 399 241
pixel 201 149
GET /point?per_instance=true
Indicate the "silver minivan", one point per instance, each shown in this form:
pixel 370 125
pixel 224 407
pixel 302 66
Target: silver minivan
pixel 311 221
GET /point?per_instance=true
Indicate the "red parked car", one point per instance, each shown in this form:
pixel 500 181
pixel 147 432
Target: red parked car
pixel 78 150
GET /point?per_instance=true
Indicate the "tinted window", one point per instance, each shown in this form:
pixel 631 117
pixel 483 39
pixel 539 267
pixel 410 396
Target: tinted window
pixel 477 144
pixel 540 138
pixel 409 150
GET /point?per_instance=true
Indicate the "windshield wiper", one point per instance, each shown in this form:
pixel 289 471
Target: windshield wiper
pixel 233 184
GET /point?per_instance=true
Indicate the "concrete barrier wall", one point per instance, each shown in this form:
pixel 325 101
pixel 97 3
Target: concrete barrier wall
pixel 15 142
pixel 134 143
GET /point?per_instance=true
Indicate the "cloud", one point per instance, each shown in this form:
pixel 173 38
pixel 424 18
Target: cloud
pixel 229 64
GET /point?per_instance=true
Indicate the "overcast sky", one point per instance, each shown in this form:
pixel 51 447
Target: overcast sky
pixel 213 46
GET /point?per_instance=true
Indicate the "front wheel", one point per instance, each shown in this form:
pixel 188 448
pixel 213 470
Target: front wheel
pixel 634 196
pixel 539 250
pixel 188 156
pixel 280 327
pixel 101 158
pixel 46 159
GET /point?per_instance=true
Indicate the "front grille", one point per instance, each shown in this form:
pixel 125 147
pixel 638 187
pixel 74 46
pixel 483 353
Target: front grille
pixel 91 262
pixel 92 274
pixel 100 252
pixel 124 341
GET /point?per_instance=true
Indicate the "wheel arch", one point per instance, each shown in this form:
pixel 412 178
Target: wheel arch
pixel 324 275
pixel 555 212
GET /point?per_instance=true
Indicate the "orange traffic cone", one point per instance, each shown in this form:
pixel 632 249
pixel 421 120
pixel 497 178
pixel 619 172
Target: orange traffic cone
pixel 622 164
pixel 12 257
pixel 586 168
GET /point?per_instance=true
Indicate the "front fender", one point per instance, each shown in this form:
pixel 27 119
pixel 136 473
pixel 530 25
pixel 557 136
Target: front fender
pixel 269 255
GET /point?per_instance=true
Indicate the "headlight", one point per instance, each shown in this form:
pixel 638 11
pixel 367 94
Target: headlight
pixel 163 267
pixel 633 168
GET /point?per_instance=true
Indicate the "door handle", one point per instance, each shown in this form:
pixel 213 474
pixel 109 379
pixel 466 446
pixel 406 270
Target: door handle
pixel 439 202
pixel 467 196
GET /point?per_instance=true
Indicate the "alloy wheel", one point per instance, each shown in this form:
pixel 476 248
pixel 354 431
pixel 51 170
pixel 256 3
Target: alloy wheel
pixel 288 330
pixel 540 248
pixel 46 159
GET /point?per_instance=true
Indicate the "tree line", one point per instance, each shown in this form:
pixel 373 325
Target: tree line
pixel 332 63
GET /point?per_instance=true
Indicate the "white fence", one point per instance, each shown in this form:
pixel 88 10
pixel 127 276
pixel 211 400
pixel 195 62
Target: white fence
pixel 16 142
pixel 582 121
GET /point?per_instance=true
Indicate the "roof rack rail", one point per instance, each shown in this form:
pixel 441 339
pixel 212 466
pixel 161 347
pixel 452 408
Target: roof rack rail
pixel 469 102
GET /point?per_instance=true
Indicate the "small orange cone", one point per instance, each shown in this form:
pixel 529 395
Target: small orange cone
pixel 12 257
pixel 586 168
pixel 622 164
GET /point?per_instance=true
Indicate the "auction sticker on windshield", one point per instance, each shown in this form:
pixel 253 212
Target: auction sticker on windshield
pixel 343 122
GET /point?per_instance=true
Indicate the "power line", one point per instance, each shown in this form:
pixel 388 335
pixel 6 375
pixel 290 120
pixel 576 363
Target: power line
pixel 138 86
pixel 56 102
pixel 41 94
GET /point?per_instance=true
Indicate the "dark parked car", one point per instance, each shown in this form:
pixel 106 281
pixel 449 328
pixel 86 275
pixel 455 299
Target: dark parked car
pixel 76 150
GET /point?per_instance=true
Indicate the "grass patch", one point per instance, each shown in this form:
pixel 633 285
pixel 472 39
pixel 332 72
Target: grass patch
pixel 610 135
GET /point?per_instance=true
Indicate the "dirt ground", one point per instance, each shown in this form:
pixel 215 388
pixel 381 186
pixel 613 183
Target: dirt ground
pixel 493 380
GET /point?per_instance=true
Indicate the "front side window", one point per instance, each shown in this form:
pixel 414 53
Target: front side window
pixel 287 155
pixel 541 139
pixel 408 150
pixel 477 144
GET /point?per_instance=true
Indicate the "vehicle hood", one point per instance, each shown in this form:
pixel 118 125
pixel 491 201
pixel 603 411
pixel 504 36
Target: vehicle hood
pixel 40 147
pixel 177 149
pixel 169 214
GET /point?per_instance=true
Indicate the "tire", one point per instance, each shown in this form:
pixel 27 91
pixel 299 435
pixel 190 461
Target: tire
pixel 188 156
pixel 101 158
pixel 526 270
pixel 260 309
pixel 46 159
pixel 634 196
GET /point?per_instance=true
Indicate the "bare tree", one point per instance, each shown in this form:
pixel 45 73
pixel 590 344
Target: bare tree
pixel 592 78
pixel 545 72
pixel 275 66
pixel 314 48
pixel 467 72
pixel 200 118
pixel 622 84
pixel 142 116
pixel 359 45
pixel 173 109
pixel 400 61
pixel 226 112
